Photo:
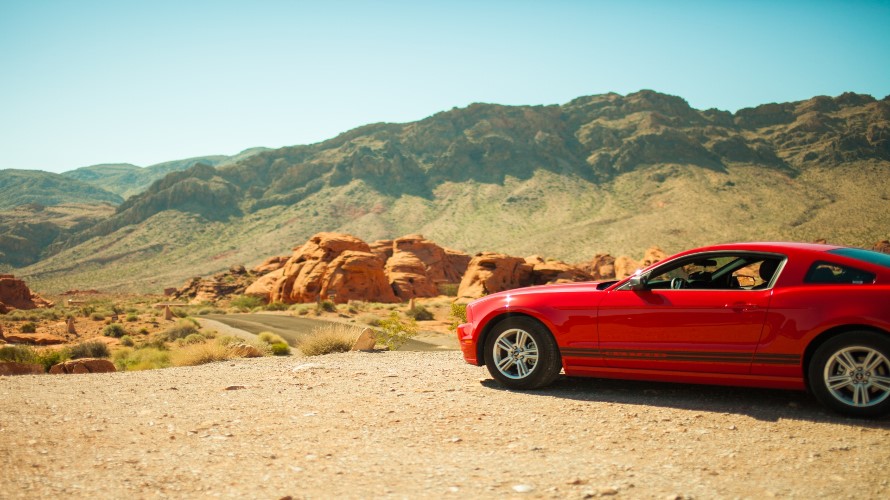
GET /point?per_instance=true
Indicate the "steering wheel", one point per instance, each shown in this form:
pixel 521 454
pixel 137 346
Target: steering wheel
pixel 678 283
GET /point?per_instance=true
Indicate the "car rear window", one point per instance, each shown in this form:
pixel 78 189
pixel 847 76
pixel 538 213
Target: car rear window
pixel 828 272
pixel 869 256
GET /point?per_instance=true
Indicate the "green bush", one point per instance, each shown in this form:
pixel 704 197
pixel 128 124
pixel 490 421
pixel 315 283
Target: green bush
pixel 28 327
pixel 448 289
pixel 50 357
pixel 247 302
pixel 420 313
pixel 183 329
pixel 327 305
pixel 115 330
pixel 127 341
pixel 18 354
pixel 277 306
pixel 280 349
pixel 97 316
pixel 195 338
pixel 394 332
pixel 148 358
pixel 458 315
pixel 132 317
pixel 270 338
pixel 94 349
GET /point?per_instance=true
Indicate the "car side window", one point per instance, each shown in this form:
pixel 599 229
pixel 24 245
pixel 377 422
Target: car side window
pixel 716 272
pixel 830 273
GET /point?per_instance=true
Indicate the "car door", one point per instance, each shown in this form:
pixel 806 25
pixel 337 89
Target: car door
pixel 714 330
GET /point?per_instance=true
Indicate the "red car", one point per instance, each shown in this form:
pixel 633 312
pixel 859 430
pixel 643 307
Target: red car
pixel 777 315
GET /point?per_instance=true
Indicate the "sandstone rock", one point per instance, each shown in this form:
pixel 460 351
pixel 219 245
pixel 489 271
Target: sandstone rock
pixel 13 368
pixel 490 272
pixel 417 266
pixel 245 351
pixel 263 287
pixel 382 249
pixel 365 341
pixel 882 246
pixel 333 265
pixel 624 267
pixel 601 267
pixel 83 365
pixel 408 277
pixel 544 272
pixel 271 264
pixel 33 338
pixel 15 294
pixel 653 255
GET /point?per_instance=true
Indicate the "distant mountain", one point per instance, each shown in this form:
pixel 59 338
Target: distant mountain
pixel 605 173
pixel 20 187
pixel 126 180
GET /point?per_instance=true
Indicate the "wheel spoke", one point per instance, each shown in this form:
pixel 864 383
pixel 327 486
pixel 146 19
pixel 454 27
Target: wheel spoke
pixel 505 364
pixel 505 344
pixel 837 382
pixel 880 382
pixel 521 338
pixel 860 395
pixel 846 360
pixel 521 369
pixel 873 360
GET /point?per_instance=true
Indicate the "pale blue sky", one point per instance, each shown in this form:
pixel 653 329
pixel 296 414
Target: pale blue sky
pixel 88 82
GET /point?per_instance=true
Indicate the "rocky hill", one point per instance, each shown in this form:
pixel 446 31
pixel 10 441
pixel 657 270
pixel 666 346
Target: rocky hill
pixel 600 174
pixel 20 187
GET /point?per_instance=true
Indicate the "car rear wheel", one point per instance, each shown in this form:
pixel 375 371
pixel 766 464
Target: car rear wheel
pixel 850 374
pixel 520 353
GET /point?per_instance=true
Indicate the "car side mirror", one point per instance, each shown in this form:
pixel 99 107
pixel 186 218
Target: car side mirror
pixel 637 282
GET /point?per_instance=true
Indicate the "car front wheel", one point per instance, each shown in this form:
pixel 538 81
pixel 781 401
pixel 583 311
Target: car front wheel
pixel 850 374
pixel 520 353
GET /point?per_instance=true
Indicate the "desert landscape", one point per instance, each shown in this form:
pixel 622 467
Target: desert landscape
pixel 237 241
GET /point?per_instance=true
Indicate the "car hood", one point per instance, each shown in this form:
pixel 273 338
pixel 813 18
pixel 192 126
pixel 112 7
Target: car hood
pixel 585 287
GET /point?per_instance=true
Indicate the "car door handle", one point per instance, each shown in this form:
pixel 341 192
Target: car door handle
pixel 742 307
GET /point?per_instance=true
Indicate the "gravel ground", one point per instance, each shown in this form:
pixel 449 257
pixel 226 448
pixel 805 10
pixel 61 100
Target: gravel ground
pixel 419 424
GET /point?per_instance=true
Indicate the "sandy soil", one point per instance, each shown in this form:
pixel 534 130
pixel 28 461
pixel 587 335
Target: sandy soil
pixel 419 424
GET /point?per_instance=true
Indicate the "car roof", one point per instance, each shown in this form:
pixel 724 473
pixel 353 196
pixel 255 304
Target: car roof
pixel 770 246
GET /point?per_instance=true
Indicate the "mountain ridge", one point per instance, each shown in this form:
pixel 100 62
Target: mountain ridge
pixel 604 173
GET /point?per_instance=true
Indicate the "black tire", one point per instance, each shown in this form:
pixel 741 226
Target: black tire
pixel 520 353
pixel 850 374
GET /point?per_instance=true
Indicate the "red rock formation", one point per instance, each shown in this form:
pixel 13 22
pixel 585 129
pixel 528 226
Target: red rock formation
pixel 382 249
pixel 653 255
pixel 554 271
pixel 270 265
pixel 33 338
pixel 882 246
pixel 417 266
pixel 332 264
pixel 263 287
pixel 490 272
pixel 624 267
pixel 14 294
pixel 83 365
pixel 602 267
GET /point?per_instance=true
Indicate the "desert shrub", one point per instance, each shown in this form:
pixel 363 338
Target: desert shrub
pixel 329 338
pixel 226 340
pixel 269 337
pixel 94 349
pixel 420 313
pixel 20 315
pixel 327 306
pixel 458 315
pixel 277 306
pixel 199 354
pixel 127 341
pixel 369 319
pixel 247 302
pixel 147 358
pixel 448 289
pixel 28 327
pixel 97 316
pixel 280 349
pixel 50 357
pixel 18 354
pixel 132 317
pixel 394 332
pixel 204 311
pixel 179 312
pixel 181 330
pixel 194 338
pixel 115 330
pixel 143 331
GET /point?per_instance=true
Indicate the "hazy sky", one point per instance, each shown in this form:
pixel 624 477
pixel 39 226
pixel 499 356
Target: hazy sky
pixel 85 82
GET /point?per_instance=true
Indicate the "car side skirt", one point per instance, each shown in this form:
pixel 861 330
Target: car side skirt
pixel 768 382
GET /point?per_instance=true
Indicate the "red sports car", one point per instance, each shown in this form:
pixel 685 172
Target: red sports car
pixel 777 315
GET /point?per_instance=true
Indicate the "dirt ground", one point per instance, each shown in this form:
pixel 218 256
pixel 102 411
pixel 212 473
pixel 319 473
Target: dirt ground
pixel 419 424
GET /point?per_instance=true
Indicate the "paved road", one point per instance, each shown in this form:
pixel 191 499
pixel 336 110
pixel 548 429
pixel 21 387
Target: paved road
pixel 294 329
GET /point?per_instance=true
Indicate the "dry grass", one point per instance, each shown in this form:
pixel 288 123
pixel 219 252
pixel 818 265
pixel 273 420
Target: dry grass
pixel 329 338
pixel 199 354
